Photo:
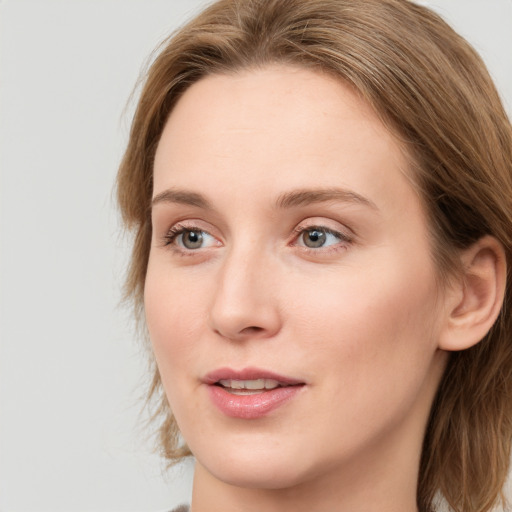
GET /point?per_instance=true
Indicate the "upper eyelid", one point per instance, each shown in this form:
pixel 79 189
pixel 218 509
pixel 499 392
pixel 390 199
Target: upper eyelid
pixel 192 225
pixel 178 229
pixel 306 224
pixel 342 237
pixel 301 228
pixel 312 223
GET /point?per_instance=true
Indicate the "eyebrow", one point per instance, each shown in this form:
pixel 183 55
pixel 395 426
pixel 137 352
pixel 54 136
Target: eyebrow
pixel 292 199
pixel 304 197
pixel 185 197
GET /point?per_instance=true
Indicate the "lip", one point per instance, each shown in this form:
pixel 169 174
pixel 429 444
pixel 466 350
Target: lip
pixel 250 406
pixel 248 374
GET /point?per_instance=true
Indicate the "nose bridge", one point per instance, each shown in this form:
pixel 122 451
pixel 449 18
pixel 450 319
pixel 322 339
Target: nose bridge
pixel 244 304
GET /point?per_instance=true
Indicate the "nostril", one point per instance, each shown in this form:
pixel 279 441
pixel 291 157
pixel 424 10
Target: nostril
pixel 251 330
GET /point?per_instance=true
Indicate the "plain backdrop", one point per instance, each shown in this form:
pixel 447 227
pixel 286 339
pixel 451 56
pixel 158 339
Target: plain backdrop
pixel 71 369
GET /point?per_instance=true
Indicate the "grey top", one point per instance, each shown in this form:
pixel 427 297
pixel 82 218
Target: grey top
pixel 181 508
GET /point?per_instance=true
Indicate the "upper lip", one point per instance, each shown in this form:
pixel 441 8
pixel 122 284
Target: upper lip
pixel 248 374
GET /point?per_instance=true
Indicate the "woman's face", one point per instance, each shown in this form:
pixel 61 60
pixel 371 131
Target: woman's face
pixel 289 249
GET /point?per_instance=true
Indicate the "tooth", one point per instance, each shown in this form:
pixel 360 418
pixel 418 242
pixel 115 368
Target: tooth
pixel 236 384
pixel 251 385
pixel 271 384
pixel 254 384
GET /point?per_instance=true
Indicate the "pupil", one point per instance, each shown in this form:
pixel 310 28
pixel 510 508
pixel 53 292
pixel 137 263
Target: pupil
pixel 314 238
pixel 192 239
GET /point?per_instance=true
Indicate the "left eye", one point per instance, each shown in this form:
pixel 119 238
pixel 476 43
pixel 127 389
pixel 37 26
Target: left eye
pixel 317 237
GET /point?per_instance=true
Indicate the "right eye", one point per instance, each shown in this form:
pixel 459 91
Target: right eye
pixel 189 239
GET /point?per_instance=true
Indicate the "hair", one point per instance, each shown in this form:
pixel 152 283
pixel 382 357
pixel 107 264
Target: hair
pixel 431 89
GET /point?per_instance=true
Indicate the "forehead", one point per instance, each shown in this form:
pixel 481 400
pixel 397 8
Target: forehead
pixel 261 130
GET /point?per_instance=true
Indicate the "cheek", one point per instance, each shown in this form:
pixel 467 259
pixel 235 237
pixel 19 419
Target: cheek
pixel 370 330
pixel 369 341
pixel 392 295
pixel 175 316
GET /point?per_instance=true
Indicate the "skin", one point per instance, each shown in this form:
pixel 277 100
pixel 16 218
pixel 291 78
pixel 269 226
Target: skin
pixel 358 320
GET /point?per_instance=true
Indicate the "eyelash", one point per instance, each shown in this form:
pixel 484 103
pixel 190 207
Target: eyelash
pixel 170 238
pixel 175 231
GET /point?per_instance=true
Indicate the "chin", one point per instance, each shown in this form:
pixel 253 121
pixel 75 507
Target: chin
pixel 262 475
pixel 268 464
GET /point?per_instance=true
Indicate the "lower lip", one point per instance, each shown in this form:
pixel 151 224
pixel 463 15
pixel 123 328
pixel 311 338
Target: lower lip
pixel 253 406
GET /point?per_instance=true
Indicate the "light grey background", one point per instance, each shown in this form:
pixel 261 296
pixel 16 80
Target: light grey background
pixel 71 370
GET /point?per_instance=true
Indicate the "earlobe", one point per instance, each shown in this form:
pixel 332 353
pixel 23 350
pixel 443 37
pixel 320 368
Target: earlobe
pixel 477 297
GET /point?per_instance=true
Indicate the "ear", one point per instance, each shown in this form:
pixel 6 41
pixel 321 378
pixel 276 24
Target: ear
pixel 474 302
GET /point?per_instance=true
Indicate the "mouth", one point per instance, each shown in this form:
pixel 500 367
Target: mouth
pixel 249 387
pixel 249 380
pixel 250 393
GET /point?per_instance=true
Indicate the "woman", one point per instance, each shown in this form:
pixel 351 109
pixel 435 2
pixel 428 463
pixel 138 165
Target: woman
pixel 320 192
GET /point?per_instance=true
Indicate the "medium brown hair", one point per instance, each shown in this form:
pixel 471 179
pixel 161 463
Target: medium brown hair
pixel 433 90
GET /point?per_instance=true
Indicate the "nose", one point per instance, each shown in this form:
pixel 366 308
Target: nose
pixel 245 303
